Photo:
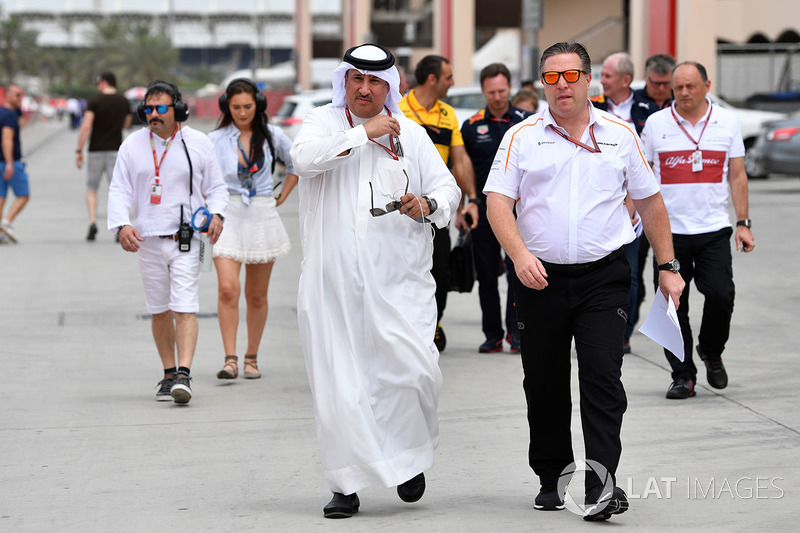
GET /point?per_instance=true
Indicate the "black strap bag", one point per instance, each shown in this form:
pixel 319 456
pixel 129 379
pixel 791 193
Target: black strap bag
pixel 462 263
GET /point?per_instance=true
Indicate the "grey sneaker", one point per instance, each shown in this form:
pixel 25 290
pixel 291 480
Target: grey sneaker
pixel 181 391
pixel 8 230
pixel 164 386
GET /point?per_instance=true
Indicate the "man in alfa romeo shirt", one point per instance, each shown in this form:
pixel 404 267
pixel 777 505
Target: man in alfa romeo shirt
pixel 696 150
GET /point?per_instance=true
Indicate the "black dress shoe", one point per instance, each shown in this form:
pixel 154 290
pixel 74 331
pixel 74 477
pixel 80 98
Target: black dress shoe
pixel 715 371
pixel 413 489
pixel 681 389
pixel 342 506
pixel 601 506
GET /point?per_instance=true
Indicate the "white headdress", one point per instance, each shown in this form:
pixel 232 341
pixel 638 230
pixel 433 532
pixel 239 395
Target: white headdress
pixel 373 60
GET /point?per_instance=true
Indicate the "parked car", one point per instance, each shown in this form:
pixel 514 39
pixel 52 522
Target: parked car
pixel 750 121
pixel 466 101
pixel 295 107
pixel 777 149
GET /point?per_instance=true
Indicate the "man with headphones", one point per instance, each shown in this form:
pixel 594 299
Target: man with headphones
pixel 166 173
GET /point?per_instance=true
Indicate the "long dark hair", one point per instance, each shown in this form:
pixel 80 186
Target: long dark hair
pixel 260 120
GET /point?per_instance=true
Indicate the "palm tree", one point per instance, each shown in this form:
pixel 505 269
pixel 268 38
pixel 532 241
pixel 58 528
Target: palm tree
pixel 149 56
pixel 18 50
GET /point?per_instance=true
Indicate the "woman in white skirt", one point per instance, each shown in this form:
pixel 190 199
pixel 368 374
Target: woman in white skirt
pixel 247 148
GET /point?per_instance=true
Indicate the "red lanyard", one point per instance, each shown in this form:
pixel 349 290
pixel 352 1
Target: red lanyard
pixel 594 150
pixel 708 119
pixel 156 162
pixel 392 152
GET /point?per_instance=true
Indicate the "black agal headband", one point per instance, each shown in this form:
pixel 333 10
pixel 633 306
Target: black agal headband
pixel 369 57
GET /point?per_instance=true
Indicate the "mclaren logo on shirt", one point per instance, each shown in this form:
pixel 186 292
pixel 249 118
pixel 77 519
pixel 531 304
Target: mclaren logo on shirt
pixel 607 144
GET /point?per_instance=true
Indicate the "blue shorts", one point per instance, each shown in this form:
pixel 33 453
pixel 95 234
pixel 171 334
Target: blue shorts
pixel 18 182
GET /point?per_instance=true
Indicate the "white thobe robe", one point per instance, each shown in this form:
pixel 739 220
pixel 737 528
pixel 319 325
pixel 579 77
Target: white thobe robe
pixel 366 306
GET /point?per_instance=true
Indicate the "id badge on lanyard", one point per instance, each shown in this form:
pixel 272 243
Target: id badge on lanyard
pixel 155 188
pixel 155 193
pixel 697 161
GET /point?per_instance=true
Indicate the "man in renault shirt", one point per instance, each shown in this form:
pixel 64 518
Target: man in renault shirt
pixel 569 169
pixel 423 104
pixel 697 153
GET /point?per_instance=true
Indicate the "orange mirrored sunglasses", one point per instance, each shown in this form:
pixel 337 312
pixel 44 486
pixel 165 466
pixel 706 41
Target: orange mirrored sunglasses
pixel 570 76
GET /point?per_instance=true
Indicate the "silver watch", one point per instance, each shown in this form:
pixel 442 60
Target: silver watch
pixel 432 205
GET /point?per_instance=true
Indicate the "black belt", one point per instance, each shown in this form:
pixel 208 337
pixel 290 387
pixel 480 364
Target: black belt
pixel 174 237
pixel 582 268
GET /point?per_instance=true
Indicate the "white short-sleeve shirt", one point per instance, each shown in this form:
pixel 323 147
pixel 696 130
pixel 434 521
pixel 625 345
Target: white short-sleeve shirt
pixel 570 201
pixel 697 202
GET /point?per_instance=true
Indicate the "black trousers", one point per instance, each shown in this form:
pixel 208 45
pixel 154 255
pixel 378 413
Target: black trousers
pixel 489 263
pixel 706 259
pixel 589 308
pixel 441 267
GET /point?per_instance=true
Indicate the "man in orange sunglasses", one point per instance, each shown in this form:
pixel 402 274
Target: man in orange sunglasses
pixel 566 173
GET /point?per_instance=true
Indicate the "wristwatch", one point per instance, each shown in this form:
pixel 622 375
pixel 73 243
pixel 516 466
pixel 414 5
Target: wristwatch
pixel 432 205
pixel 673 265
pixel 747 223
pixel 222 218
pixel 474 201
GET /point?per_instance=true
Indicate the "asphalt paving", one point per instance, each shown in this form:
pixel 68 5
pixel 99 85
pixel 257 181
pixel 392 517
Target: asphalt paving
pixel 84 446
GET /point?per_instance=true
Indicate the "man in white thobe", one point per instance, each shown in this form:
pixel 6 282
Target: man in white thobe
pixel 371 185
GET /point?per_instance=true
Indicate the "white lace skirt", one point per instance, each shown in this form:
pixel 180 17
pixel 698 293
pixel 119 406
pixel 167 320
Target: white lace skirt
pixel 252 233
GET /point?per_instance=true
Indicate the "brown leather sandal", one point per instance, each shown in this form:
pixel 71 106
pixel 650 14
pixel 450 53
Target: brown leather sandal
pixel 231 368
pixel 251 363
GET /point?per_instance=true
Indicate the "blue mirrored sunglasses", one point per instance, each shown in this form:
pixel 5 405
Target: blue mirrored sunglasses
pixel 161 108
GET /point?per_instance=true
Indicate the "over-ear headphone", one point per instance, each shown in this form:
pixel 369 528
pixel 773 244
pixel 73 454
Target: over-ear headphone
pixel 261 100
pixel 181 108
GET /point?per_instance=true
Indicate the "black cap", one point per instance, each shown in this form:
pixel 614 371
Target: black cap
pixel 369 57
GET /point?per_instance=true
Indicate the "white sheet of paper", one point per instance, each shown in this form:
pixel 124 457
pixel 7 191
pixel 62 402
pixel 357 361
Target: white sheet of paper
pixel 662 326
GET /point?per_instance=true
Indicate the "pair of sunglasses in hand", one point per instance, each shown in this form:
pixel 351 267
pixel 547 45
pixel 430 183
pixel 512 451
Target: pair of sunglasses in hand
pixel 391 206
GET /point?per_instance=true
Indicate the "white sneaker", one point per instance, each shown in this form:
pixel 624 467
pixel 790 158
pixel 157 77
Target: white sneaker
pixel 7 230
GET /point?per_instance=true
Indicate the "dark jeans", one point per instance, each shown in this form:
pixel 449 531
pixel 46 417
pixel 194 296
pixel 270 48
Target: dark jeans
pixel 441 267
pixel 706 259
pixel 588 308
pixel 489 264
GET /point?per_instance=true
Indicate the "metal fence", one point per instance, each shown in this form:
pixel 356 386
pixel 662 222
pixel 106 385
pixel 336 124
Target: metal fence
pixel 747 69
